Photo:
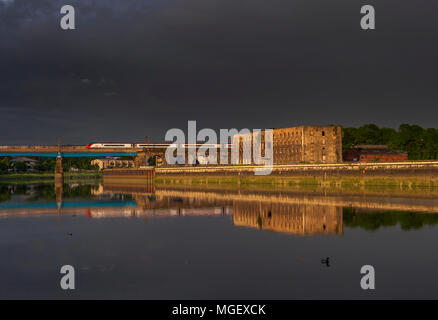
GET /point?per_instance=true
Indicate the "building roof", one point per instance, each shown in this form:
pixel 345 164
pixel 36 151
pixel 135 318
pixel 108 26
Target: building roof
pixel 371 146
pixel 24 159
pixel 376 149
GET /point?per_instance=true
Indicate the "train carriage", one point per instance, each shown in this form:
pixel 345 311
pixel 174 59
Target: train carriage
pixel 103 145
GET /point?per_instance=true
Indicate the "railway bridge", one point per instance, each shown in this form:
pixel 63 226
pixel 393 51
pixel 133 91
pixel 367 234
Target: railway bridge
pixel 141 155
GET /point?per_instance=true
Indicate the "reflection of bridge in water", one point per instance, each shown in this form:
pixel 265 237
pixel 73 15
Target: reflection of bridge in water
pixel 295 212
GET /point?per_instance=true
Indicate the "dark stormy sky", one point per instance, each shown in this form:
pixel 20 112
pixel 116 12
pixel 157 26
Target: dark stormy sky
pixel 139 67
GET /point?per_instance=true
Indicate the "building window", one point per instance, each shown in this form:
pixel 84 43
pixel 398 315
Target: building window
pixel 323 133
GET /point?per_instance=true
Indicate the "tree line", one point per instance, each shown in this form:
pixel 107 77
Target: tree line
pixel 418 142
pixel 374 220
pixel 47 164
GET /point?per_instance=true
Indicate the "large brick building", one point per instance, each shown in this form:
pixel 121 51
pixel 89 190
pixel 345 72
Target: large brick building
pixel 303 144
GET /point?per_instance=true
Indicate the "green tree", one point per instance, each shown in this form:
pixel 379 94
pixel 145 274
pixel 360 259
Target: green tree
pixel 46 164
pixel 5 164
pixel 20 166
pixel 152 161
pixel 419 143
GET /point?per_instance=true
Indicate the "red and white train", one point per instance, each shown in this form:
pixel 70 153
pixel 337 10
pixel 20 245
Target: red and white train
pixel 103 145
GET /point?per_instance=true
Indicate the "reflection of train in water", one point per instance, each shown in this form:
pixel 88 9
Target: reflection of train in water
pixel 154 145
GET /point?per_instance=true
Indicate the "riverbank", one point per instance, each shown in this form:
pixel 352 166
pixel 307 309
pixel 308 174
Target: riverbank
pixel 45 177
pixel 405 182
pixel 406 174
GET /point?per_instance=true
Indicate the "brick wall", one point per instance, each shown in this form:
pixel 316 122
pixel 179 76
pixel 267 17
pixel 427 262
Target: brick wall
pixel 303 144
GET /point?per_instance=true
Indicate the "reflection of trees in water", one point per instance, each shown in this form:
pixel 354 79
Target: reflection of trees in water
pixel 77 191
pixel 45 192
pixel 374 220
pixel 5 193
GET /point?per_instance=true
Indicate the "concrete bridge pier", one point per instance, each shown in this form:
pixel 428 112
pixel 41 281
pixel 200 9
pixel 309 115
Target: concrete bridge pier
pixel 59 172
pixel 141 159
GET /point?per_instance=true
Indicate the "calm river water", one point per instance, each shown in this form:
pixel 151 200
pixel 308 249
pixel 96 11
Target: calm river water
pixel 150 242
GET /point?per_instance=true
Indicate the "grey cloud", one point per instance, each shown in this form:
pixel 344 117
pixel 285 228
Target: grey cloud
pixel 153 65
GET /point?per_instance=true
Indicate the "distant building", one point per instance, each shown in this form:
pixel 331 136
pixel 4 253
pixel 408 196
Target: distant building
pixel 112 163
pixel 303 144
pixel 25 160
pixel 28 162
pixel 374 153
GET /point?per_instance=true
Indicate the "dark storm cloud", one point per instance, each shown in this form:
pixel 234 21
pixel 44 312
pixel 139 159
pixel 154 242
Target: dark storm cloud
pixel 135 68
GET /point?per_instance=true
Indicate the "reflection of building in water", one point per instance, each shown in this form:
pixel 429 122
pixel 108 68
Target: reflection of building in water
pixel 290 218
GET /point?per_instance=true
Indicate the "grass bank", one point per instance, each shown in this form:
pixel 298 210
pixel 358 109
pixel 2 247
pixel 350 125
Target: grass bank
pixel 348 186
pixel 396 182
